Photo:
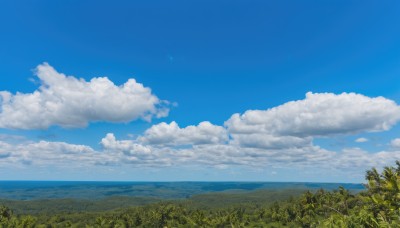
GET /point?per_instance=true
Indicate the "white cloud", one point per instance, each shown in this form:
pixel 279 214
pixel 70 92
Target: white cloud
pixel 59 154
pixel 278 137
pixel 128 147
pixel 120 152
pixel 172 134
pixel 361 140
pixel 395 143
pixel 214 155
pixel 296 123
pixel 269 141
pixel 320 114
pixel 71 102
pixel 357 159
pixel 132 152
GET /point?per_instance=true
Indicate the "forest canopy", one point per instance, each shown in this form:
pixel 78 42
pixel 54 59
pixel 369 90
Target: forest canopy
pixel 377 206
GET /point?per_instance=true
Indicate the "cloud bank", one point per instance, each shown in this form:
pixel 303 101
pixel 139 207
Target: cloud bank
pixel 69 102
pixel 278 137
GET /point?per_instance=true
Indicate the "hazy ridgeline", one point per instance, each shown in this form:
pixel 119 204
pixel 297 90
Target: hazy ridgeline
pixel 53 197
pixel 31 190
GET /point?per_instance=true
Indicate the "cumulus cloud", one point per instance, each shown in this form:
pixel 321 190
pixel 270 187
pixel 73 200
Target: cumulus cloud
pixel 134 153
pixel 127 152
pixel 44 153
pixel 127 147
pixel 270 141
pixel 296 123
pixel 278 137
pixel 172 134
pixel 361 140
pixel 232 155
pixel 356 159
pixel 226 155
pixel 71 102
pixel 320 114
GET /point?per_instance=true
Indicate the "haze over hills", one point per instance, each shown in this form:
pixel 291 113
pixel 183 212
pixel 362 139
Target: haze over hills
pixel 31 190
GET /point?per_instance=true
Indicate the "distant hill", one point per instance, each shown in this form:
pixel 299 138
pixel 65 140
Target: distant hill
pixel 31 190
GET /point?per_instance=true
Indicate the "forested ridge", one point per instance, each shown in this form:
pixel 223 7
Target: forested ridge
pixel 377 206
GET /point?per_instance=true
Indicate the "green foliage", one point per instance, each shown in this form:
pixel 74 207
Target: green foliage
pixel 378 206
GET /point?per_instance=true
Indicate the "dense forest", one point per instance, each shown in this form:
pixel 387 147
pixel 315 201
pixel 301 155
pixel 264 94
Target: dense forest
pixel 377 206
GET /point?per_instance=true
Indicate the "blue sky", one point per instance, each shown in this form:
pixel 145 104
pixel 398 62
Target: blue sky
pixel 203 61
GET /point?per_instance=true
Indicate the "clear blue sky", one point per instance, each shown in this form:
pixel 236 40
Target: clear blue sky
pixel 209 60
